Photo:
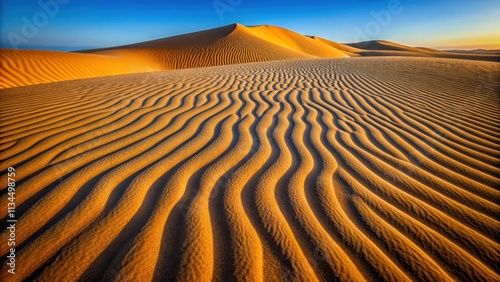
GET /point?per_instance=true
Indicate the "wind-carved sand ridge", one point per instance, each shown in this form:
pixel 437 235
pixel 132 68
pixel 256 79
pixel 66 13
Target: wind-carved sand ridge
pixel 377 169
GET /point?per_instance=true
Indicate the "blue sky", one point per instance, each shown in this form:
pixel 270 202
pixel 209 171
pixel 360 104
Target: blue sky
pixel 80 24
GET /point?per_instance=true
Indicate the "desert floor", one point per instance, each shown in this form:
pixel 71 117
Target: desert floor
pixel 379 169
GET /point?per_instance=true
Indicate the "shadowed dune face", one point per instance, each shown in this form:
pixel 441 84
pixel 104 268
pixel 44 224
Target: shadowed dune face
pixel 379 169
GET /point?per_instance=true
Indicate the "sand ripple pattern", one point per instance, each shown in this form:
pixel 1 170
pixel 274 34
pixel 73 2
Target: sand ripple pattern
pixel 376 169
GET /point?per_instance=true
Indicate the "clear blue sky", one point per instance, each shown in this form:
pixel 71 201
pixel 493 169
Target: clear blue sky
pixel 79 24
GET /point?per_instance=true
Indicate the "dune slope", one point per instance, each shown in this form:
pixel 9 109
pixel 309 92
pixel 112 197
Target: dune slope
pixel 388 46
pixel 378 169
pixel 28 67
pixel 295 41
pixel 348 50
pixel 232 44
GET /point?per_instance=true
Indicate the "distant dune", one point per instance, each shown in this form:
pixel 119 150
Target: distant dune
pixel 357 169
pixel 477 51
pixel 232 44
pixel 387 48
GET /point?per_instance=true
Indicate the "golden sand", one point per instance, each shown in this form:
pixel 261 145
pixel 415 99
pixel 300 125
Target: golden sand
pixel 306 169
pixel 232 44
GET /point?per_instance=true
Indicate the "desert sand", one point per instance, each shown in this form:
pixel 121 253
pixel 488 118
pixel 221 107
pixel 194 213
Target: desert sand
pixel 232 44
pixel 300 163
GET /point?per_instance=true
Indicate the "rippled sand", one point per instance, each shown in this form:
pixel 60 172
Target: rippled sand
pixel 317 169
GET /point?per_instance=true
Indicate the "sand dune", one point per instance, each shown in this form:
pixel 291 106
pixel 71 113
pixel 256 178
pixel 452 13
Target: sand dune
pixel 297 42
pixel 348 50
pixel 378 169
pixel 27 67
pixel 386 48
pixel 477 51
pixel 232 44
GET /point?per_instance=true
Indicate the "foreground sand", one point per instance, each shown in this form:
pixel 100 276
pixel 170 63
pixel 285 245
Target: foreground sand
pixel 318 169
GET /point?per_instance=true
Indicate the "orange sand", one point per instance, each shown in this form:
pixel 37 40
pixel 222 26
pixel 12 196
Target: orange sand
pixel 317 169
pixel 252 154
pixel 232 44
